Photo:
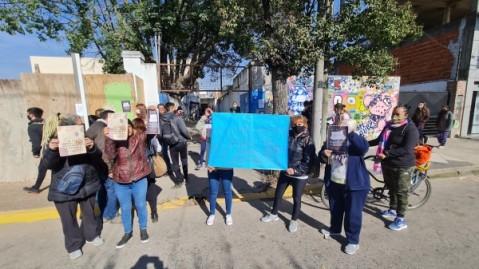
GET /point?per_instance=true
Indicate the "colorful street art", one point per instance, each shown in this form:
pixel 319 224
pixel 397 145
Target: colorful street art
pixel 300 89
pixel 369 101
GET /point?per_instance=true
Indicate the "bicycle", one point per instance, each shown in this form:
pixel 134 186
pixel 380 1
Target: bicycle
pixel 418 194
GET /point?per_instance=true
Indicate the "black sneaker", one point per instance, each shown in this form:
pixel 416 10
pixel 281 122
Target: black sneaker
pixel 31 189
pixel 124 240
pixel 154 216
pixel 177 186
pixel 144 236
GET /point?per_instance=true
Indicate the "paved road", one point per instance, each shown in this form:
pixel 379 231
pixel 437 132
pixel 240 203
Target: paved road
pixel 442 234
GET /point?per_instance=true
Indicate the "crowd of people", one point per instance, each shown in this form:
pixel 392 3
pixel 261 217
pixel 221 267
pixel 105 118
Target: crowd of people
pixel 120 179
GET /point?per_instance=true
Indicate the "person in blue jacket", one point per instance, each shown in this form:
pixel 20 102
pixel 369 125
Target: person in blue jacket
pixel 347 183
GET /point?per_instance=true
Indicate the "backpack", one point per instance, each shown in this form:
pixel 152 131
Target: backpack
pixel 71 182
pixel 169 132
pixel 314 166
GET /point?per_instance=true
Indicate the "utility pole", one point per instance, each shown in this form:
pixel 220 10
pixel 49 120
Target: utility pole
pixel 320 90
pixel 77 73
pixel 158 61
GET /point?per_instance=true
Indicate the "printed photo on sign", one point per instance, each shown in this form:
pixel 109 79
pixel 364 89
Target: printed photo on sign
pixel 126 106
pixel 71 140
pixel 337 139
pixel 118 125
pixel 153 122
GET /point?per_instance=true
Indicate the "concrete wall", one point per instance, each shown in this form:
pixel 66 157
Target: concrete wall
pixel 64 65
pixel 53 93
pixel 16 160
pixel 134 62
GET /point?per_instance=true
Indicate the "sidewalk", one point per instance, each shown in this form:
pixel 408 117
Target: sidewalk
pixel 460 158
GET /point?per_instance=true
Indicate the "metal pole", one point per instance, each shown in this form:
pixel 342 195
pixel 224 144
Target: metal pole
pixel 158 61
pixel 77 73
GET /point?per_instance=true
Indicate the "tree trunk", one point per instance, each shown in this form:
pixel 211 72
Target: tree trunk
pixel 280 94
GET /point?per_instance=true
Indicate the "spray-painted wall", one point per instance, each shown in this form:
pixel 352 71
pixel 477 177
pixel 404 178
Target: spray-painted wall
pixel 368 101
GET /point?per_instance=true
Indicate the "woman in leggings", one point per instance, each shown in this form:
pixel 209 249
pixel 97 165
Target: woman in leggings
pixel 300 150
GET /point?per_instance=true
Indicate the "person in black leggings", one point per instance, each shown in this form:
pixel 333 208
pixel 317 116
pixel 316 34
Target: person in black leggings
pixel 300 150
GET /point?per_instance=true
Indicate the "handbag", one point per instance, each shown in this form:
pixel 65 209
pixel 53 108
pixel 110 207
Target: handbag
pixel 71 182
pixel 159 165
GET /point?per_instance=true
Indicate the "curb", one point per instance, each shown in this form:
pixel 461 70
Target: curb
pixel 48 213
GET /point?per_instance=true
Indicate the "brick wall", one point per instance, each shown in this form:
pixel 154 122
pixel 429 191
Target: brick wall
pixel 423 60
pixel 426 60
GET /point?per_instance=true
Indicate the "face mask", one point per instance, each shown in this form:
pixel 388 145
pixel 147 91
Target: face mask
pixel 298 129
pixel 138 111
pixel 397 119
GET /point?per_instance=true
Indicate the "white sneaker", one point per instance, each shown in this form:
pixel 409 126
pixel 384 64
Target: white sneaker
pixel 75 254
pixel 441 147
pixel 351 249
pixel 229 220
pixel 210 220
pixel 98 241
pixel 270 217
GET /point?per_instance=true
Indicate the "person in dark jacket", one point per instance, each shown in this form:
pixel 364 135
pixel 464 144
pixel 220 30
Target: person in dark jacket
pixel 420 117
pixel 35 131
pixel 235 108
pixel 67 204
pixel 347 183
pixel 300 150
pixel 444 122
pixel 180 149
pixel 107 200
pixel 397 161
pixel 129 169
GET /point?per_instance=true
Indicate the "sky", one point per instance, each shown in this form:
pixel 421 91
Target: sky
pixel 15 52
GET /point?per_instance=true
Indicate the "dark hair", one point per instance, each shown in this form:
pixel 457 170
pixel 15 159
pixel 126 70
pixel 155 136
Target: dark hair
pixel 139 124
pixel 36 111
pixel 104 114
pixel 339 106
pixel 160 104
pixel 179 108
pixel 168 105
pixel 92 119
pixel 99 111
pixel 305 103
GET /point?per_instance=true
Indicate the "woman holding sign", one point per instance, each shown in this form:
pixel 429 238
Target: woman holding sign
pixel 347 183
pixel 129 169
pixel 63 135
pixel 300 151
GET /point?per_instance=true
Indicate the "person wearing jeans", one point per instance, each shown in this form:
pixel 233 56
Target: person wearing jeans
pixel 204 126
pixel 215 176
pixel 137 191
pixel 107 200
pixel 300 150
pixel 129 169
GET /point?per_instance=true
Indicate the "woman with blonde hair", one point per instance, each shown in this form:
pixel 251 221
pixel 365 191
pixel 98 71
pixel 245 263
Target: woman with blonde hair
pixel 300 150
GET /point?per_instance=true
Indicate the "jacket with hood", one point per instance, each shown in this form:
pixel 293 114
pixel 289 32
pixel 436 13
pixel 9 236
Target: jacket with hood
pixel 61 165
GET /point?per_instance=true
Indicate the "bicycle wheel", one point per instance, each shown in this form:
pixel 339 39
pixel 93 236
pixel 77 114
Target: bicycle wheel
pixel 419 193
pixel 324 196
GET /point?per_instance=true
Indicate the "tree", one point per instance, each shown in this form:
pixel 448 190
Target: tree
pixel 289 36
pixel 193 32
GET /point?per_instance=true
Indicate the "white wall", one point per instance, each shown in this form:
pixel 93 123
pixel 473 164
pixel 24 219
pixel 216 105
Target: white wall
pixel 134 62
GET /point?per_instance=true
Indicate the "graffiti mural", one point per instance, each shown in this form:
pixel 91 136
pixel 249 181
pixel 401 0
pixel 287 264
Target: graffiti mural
pixel 368 100
pixel 300 89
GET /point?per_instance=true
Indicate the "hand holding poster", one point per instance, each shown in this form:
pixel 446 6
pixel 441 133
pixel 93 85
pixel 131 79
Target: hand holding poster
pixel 71 140
pixel 337 139
pixel 118 126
